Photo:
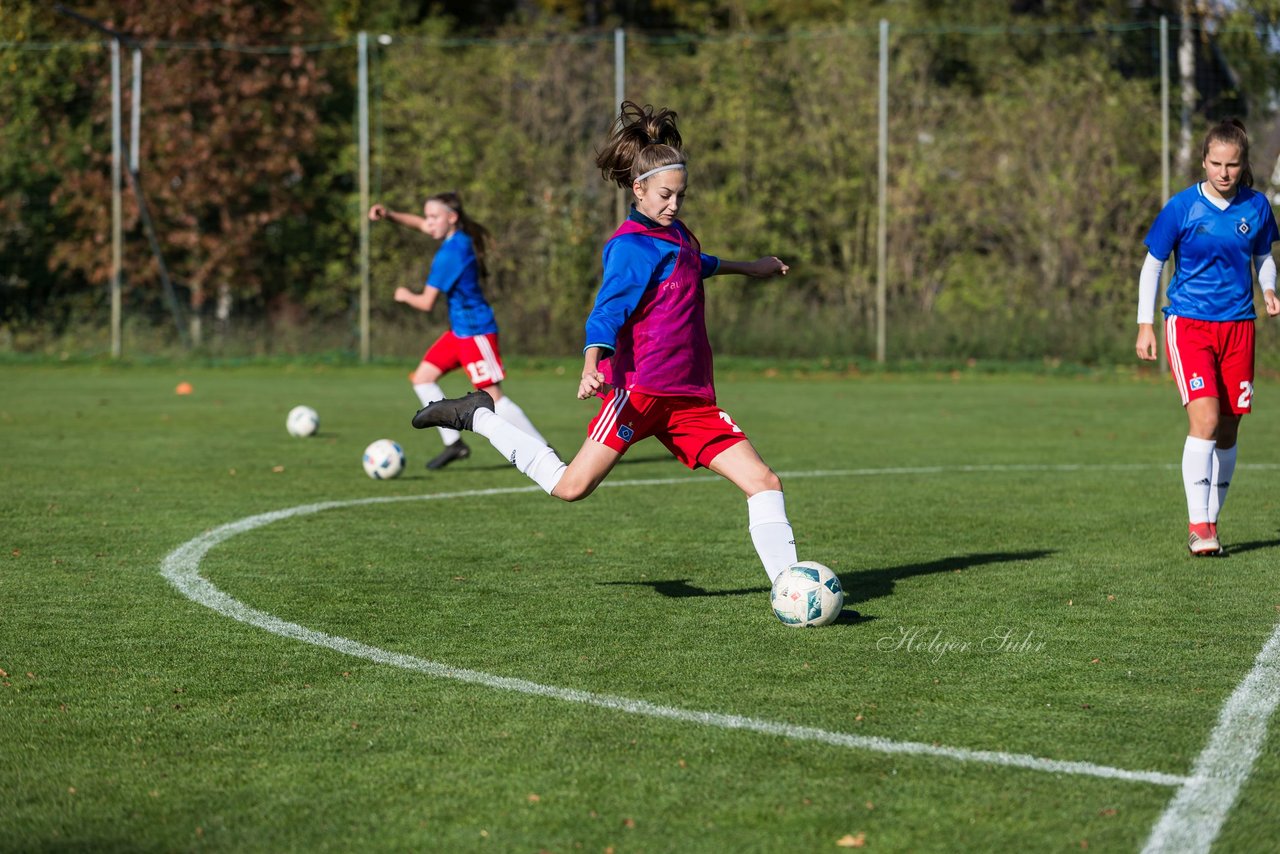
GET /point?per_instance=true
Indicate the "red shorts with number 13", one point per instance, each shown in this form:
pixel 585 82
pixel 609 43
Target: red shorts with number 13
pixel 478 354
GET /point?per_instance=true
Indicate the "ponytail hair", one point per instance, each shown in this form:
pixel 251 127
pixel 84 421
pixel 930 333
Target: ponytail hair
pixel 643 139
pixel 481 240
pixel 1231 132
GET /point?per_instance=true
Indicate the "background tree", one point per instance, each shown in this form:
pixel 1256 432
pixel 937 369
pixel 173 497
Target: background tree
pixel 229 147
pixel 1024 145
pixel 44 147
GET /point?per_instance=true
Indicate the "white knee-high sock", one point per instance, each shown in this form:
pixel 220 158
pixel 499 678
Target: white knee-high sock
pixel 771 532
pixel 1224 466
pixel 532 456
pixel 1197 477
pixel 507 408
pixel 430 393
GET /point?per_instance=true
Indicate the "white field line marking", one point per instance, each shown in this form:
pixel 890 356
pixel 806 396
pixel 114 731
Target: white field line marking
pixel 1197 812
pixel 182 568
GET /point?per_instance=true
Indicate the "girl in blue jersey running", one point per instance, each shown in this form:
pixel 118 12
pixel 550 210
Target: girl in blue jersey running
pixel 1217 230
pixel 471 342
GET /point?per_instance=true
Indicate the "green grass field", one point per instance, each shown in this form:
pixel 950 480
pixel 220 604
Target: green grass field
pixel 452 661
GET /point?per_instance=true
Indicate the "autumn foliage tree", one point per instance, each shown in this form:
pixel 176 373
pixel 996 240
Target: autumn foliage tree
pixel 229 149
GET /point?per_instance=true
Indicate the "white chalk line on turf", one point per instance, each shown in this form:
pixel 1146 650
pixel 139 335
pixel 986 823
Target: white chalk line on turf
pixel 1197 812
pixel 182 568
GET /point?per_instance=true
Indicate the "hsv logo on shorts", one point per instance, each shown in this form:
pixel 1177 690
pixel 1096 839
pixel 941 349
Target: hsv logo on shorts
pixel 1197 382
pixel 625 432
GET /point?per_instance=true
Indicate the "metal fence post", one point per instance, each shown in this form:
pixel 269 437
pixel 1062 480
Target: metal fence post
pixel 362 135
pixel 117 229
pixel 882 181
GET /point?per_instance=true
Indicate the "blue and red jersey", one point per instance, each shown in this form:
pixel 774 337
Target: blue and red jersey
pixel 1214 250
pixel 456 273
pixel 649 313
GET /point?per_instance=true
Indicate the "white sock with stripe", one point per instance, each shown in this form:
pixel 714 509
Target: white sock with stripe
pixel 507 408
pixel 532 456
pixel 771 532
pixel 1197 477
pixel 1224 466
pixel 430 393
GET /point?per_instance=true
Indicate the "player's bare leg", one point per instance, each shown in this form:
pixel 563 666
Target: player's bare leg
pixel 587 470
pixel 767 521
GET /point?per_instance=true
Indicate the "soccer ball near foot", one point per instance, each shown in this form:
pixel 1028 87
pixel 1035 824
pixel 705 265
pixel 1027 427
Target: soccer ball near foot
pixel 807 594
pixel 302 421
pixel 383 460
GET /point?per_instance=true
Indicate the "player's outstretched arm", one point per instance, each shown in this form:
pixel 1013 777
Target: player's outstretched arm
pixel 761 268
pixel 1146 343
pixel 408 220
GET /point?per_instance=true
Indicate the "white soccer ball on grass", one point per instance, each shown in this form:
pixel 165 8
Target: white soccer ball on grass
pixel 807 594
pixel 383 460
pixel 302 421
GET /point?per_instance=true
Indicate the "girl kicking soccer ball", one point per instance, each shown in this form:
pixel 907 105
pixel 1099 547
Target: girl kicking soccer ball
pixel 647 353
pixel 471 342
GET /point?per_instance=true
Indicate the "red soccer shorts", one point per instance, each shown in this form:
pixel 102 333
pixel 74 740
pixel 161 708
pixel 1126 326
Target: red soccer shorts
pixel 477 353
pixel 695 431
pixel 1212 358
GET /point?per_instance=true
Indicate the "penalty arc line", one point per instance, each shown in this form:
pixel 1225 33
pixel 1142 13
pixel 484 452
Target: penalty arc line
pixel 181 568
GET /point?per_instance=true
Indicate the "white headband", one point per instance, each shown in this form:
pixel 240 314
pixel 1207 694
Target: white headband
pixel 666 168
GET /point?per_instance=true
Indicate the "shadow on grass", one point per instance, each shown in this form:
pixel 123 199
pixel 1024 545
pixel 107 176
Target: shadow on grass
pixel 1241 548
pixel 484 459
pixel 871 584
pixel 860 587
pixel 680 588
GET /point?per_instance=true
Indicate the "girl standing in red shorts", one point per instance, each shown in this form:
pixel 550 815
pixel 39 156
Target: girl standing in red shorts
pixel 1216 230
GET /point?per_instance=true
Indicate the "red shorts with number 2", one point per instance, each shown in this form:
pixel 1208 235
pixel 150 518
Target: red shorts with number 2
pixel 1212 358
pixel 478 354
pixel 695 431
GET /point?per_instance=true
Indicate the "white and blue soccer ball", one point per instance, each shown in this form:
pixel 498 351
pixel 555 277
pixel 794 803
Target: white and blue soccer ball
pixel 807 594
pixel 383 460
pixel 302 421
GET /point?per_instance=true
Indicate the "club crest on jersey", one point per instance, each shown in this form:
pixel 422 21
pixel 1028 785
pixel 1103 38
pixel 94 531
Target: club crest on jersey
pixel 625 433
pixel 1243 227
pixel 1197 382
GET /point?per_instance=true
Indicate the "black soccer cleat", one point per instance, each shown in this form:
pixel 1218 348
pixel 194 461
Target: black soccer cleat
pixel 457 451
pixel 453 412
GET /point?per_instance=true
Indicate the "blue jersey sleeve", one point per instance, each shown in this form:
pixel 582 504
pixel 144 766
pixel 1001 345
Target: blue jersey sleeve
pixel 1268 233
pixel 710 266
pixel 629 265
pixel 1162 239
